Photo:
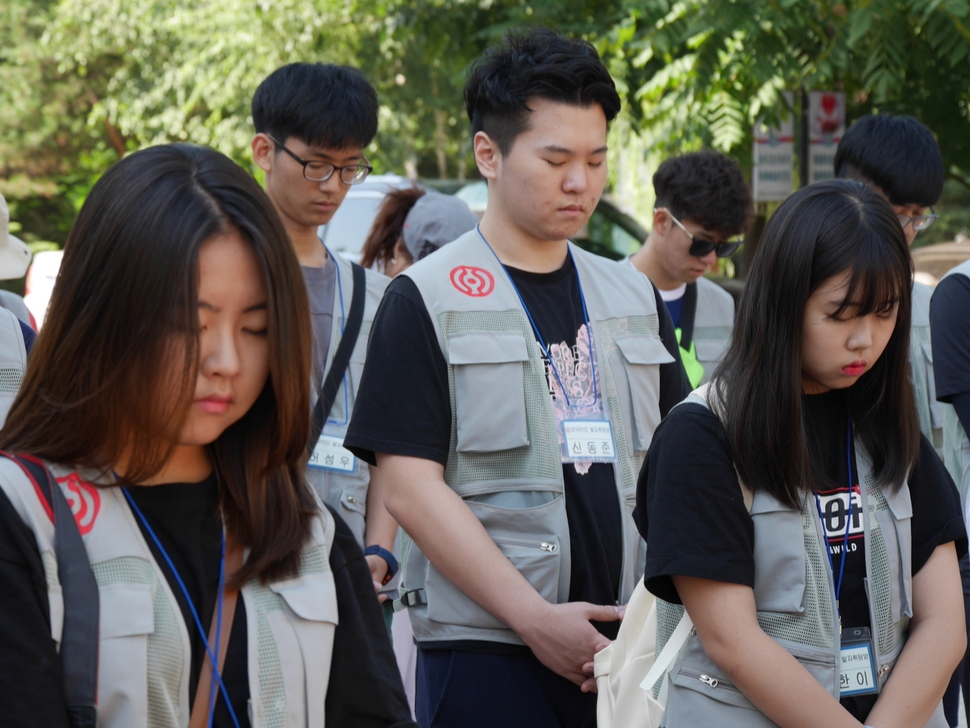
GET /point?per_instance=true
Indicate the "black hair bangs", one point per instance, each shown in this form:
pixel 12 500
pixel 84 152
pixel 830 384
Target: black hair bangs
pixel 322 104
pixel 879 279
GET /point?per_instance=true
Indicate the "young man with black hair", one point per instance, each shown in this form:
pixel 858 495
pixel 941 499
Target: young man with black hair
pixel 898 157
pixel 703 206
pixel 512 388
pixel 313 121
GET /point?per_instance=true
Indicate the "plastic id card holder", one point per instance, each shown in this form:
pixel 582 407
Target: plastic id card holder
pixel 857 673
pixel 330 453
pixel 588 440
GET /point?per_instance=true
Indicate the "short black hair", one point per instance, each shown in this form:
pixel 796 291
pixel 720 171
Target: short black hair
pixel 707 188
pixel 539 64
pixel 322 104
pixel 898 154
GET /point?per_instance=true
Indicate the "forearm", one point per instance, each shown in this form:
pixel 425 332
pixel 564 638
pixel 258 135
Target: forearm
pixel 935 645
pixel 454 540
pixel 380 527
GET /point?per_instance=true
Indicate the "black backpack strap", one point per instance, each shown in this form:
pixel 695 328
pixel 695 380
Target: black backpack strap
pixel 82 609
pixel 341 359
pixel 688 312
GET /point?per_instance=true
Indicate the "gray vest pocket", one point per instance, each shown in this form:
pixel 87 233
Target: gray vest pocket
pixel 641 360
pixel 537 557
pixel 779 556
pixel 489 372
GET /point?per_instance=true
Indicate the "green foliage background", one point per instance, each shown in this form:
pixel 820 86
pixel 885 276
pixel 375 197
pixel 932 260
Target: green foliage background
pixel 84 81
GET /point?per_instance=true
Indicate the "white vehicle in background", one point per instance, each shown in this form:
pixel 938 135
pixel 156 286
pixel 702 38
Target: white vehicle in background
pixel 347 230
pixel 40 283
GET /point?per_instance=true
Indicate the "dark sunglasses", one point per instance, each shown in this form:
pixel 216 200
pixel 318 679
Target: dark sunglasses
pixel 700 247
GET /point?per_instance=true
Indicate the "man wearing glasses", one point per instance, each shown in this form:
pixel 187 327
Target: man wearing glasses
pixel 312 123
pixel 898 157
pixel 703 206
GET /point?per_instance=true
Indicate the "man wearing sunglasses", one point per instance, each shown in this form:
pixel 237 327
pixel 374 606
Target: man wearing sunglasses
pixel 703 206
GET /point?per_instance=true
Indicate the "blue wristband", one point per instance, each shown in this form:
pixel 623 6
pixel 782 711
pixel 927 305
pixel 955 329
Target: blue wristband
pixel 392 565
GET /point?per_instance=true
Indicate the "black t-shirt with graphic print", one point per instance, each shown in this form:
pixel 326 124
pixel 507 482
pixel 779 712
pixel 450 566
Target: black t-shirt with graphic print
pixel 403 407
pixel 710 534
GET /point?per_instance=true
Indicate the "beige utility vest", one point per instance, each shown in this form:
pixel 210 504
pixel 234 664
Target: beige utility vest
pixel 713 323
pixel 931 413
pixel 13 360
pixel 144 651
pixel 504 459
pixel 795 597
pixel 956 446
pixel 346 493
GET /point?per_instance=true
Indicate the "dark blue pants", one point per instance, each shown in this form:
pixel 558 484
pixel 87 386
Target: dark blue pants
pixel 472 690
pixel 961 678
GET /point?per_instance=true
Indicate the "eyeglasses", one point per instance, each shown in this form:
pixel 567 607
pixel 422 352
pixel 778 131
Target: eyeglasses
pixel 350 174
pixel 920 222
pixel 699 247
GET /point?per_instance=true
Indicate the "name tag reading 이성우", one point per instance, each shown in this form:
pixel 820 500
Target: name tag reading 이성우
pixel 330 454
pixel 589 440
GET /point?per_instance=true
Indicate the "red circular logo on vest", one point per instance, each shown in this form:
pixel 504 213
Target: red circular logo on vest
pixel 84 500
pixel 472 281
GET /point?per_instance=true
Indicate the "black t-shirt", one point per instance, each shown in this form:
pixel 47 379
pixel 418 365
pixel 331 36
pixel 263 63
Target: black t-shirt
pixel 950 326
pixel 365 687
pixel 404 408
pixel 710 535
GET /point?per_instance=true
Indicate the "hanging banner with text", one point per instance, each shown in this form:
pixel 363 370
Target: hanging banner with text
pixel 826 125
pixel 773 150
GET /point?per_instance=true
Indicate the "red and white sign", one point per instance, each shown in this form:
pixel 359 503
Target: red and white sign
pixel 826 124
pixel 472 281
pixel 773 152
pixel 84 500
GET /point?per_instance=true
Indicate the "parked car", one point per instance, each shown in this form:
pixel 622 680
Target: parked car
pixel 41 277
pixel 347 230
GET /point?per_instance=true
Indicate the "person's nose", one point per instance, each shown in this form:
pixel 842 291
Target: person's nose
pixel 710 259
pixel 861 337
pixel 219 353
pixel 577 179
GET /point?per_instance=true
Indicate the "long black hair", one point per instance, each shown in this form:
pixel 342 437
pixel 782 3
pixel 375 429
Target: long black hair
pixel 819 232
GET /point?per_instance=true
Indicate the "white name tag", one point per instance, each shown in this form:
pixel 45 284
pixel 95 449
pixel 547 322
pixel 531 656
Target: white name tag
pixel 330 454
pixel 589 440
pixel 856 674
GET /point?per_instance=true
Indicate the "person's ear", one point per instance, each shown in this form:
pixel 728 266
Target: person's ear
pixel 487 155
pixel 263 151
pixel 661 222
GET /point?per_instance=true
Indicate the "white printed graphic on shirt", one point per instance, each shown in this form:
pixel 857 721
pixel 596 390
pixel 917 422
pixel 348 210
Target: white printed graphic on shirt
pixel 835 512
pixel 573 364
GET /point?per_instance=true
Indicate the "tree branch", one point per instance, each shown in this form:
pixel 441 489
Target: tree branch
pixel 117 140
pixel 958 179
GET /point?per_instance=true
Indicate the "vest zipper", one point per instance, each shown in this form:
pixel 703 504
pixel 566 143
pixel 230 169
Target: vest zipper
pixel 547 546
pixel 709 680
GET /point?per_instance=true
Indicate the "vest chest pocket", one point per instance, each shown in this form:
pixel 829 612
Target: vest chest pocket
pixel 638 387
pixel 895 524
pixel 127 619
pixel 711 351
pixel 779 555
pixel 489 381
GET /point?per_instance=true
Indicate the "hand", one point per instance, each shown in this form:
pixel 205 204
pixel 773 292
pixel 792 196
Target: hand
pixel 378 570
pixel 563 639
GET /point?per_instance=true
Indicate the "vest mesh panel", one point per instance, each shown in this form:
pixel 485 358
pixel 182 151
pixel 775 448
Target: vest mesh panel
pixel 314 560
pixel 50 569
pixel 918 336
pixel 668 616
pixel 10 380
pixel 272 691
pixel 606 331
pixel 888 633
pixel 165 657
pixel 541 460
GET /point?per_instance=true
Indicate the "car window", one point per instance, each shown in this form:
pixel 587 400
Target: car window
pixel 603 236
pixel 349 226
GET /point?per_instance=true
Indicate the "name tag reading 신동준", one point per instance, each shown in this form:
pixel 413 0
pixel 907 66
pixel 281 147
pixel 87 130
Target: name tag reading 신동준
pixel 330 454
pixel 589 441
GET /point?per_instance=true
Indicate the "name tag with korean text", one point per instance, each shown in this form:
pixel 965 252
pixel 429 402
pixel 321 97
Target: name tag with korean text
pixel 330 454
pixel 857 675
pixel 589 441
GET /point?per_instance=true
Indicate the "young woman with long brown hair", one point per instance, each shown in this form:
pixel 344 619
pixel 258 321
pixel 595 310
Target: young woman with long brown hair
pixel 167 398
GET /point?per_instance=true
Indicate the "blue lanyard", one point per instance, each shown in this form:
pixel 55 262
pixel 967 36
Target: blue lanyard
pixel 535 329
pixel 343 317
pixel 848 523
pixel 192 609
